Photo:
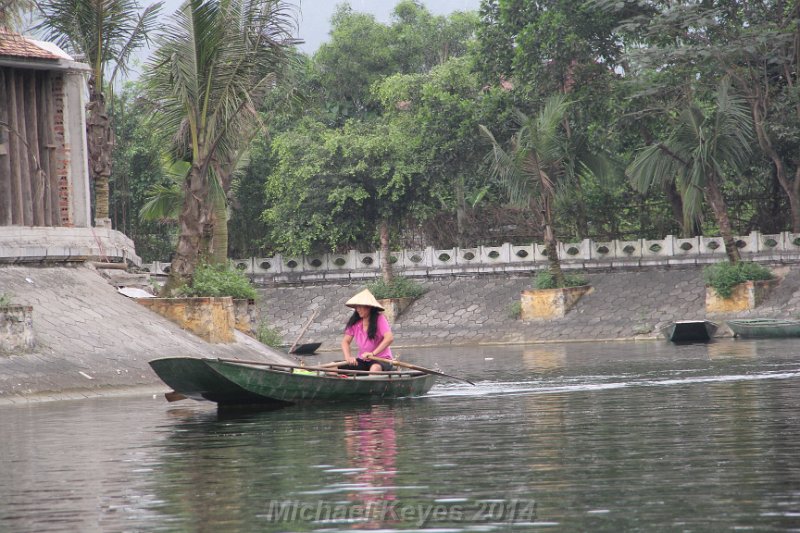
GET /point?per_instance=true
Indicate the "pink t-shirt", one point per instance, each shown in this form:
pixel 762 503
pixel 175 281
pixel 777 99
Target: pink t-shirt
pixel 365 344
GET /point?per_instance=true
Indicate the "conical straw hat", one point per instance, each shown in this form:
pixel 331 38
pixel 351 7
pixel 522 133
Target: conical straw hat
pixel 364 298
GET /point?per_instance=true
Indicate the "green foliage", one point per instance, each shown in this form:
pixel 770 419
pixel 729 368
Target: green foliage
pixel 268 335
pixel 5 299
pixel 545 280
pixel 219 280
pixel 137 169
pixel 399 287
pixel 105 34
pixel 722 277
pixel 515 310
pixel 333 187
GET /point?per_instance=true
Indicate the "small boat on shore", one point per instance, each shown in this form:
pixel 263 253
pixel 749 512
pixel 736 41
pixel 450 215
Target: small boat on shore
pixel 230 383
pixel 689 331
pixel 309 348
pixel 764 328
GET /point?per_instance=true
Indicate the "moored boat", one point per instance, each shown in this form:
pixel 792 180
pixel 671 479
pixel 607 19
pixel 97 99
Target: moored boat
pixel 309 348
pixel 689 331
pixel 764 328
pixel 249 383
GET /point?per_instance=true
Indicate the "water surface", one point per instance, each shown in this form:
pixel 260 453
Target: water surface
pixel 564 437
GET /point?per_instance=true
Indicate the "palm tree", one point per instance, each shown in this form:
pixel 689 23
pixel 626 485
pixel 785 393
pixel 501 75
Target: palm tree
pixel 104 33
pixel 12 12
pixel 703 148
pixel 214 65
pixel 532 168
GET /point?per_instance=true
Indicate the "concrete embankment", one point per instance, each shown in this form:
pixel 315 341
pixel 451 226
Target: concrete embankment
pixel 91 340
pixel 621 305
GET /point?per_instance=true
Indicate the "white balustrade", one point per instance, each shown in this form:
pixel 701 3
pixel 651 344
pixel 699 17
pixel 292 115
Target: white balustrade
pixel 587 254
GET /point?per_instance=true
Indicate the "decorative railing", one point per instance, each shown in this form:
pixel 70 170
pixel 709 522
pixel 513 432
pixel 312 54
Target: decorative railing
pixel 587 254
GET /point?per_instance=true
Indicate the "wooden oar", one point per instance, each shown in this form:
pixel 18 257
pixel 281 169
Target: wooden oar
pixel 419 368
pixel 303 331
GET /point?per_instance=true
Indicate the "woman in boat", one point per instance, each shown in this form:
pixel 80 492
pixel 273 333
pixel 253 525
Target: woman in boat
pixel 372 333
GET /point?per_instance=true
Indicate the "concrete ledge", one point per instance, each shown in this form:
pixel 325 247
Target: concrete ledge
pixel 30 244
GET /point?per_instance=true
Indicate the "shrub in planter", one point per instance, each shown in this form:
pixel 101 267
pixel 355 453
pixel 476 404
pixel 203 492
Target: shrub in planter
pixel 545 280
pixel 5 299
pixel 723 277
pixel 218 280
pixel 399 287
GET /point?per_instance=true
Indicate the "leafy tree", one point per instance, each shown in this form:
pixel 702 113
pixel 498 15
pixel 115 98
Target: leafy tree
pixel 334 188
pixel 693 44
pixel 215 64
pixel 444 108
pixel 705 147
pixel 358 53
pixel 105 33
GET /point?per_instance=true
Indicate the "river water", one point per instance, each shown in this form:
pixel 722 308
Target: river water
pixel 562 437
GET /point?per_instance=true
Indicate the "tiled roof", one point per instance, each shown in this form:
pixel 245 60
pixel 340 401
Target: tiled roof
pixel 15 45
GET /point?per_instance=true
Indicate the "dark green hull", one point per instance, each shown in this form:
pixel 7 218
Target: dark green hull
pixel 764 328
pixel 228 383
pixel 194 379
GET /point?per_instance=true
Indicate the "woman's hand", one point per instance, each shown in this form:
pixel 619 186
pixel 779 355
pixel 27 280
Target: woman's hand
pixel 368 355
pixel 346 340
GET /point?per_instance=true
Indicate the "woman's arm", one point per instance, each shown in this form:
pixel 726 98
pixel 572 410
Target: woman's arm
pixel 388 337
pixel 346 340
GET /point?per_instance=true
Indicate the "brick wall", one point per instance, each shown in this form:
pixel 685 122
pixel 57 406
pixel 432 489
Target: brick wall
pixel 62 153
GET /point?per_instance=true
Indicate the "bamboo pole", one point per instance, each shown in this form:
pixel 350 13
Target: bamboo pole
pixel 5 155
pixel 14 150
pixel 44 156
pixel 24 158
pixel 32 137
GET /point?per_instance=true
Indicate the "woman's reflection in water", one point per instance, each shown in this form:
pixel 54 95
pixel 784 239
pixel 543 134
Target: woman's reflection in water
pixel 371 443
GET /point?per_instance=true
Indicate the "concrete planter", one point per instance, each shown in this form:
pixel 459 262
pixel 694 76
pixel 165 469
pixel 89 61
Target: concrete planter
pixel 244 312
pixel 394 307
pixel 543 304
pixel 745 296
pixel 16 329
pixel 212 319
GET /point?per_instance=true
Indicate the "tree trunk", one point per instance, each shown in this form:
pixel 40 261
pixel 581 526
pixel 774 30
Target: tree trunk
pixel 219 243
pixel 100 142
pixel 717 202
pixel 386 263
pixel 552 257
pixel 196 226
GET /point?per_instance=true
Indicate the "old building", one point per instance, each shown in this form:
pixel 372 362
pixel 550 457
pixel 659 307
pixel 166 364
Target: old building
pixel 45 212
pixel 43 164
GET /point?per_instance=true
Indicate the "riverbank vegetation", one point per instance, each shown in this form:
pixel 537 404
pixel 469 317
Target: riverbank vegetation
pixel 723 277
pixel 679 118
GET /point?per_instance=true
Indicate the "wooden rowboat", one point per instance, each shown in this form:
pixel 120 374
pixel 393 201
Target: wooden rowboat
pixel 250 383
pixel 689 331
pixel 764 328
